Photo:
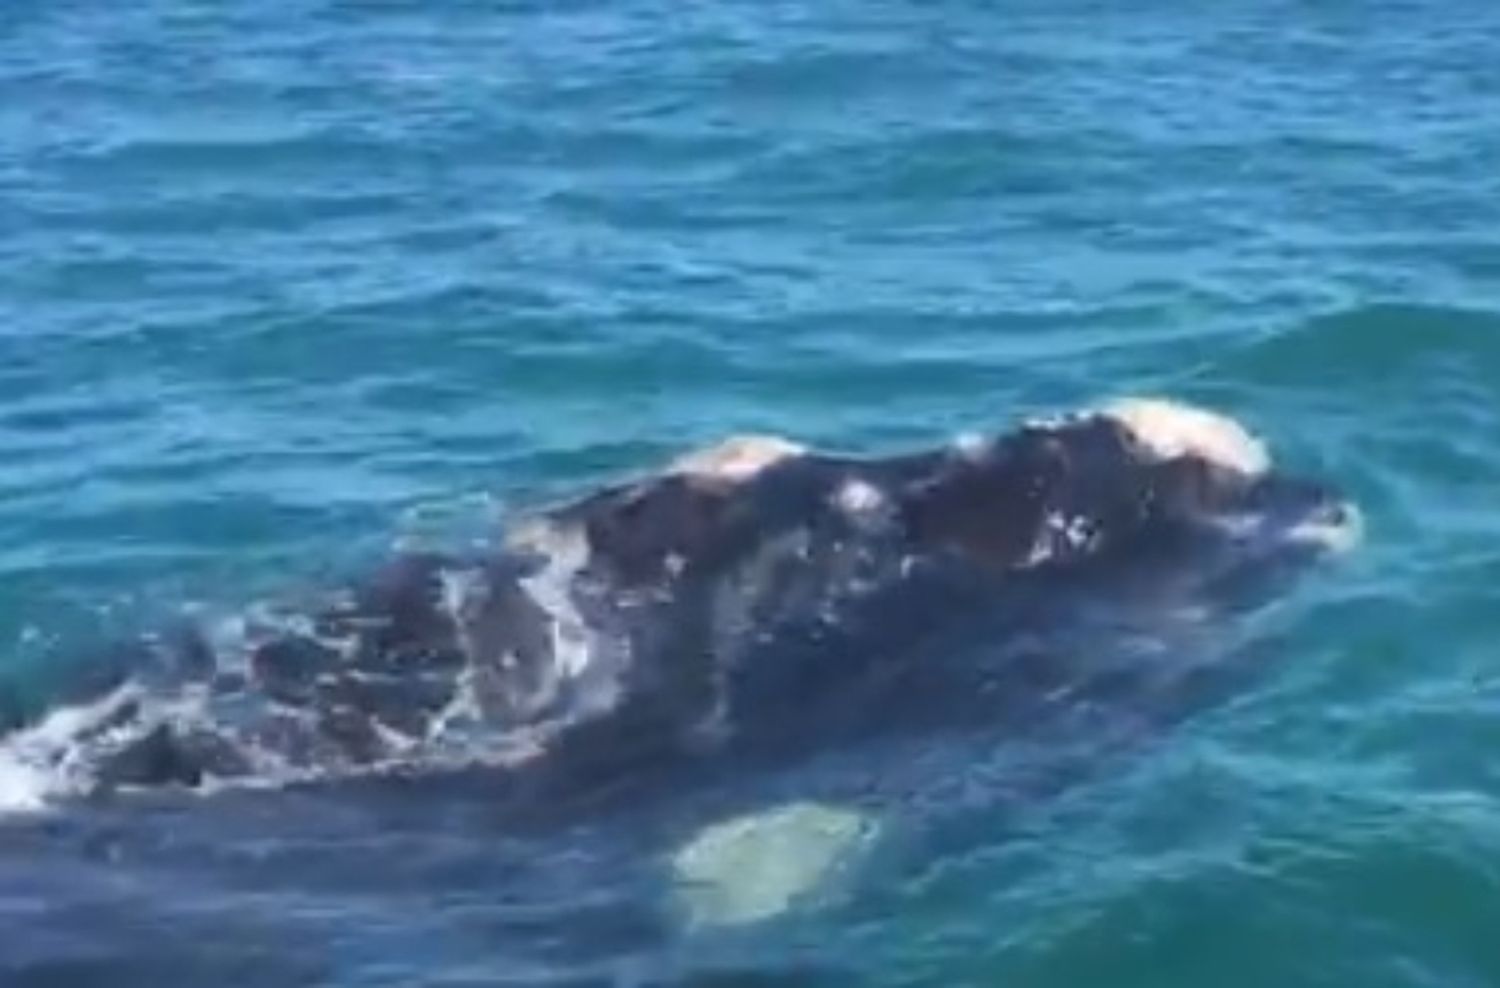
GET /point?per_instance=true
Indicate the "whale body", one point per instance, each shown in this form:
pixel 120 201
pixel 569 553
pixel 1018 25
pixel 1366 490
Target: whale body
pixel 745 604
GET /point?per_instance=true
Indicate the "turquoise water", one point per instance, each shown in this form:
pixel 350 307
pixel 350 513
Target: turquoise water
pixel 285 284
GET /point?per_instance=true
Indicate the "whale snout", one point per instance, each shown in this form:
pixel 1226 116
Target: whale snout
pixel 1306 514
pixel 1281 512
pixel 1208 470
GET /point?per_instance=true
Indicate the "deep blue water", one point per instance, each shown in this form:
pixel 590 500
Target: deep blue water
pixel 284 284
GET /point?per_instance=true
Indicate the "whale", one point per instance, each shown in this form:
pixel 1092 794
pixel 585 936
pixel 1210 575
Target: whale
pixel 739 610
pixel 721 603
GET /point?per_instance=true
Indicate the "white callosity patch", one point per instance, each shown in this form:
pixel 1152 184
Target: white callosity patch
pixel 1167 430
pixel 857 497
pixel 751 868
pixel 861 501
pixel 1338 535
pixel 972 445
pixel 1052 421
pixel 736 459
pixel 1062 535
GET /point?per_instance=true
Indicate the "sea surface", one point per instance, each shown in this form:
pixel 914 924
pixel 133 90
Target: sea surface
pixel 287 284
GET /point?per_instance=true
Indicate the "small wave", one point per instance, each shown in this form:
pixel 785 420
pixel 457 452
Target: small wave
pixel 1374 343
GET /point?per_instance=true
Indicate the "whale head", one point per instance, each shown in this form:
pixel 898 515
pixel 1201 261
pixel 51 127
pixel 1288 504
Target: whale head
pixel 1207 475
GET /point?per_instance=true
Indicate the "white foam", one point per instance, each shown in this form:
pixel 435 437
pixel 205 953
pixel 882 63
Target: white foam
pixel 463 592
pixel 1168 429
pixel 44 761
pixel 1061 534
pixel 23 788
pixel 566 549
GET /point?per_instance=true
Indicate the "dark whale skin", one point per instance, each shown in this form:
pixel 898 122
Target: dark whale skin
pixel 740 614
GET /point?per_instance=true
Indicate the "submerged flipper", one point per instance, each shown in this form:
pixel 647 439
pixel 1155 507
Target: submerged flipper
pixel 752 868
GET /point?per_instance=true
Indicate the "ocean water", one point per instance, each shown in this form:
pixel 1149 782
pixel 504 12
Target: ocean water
pixel 286 284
